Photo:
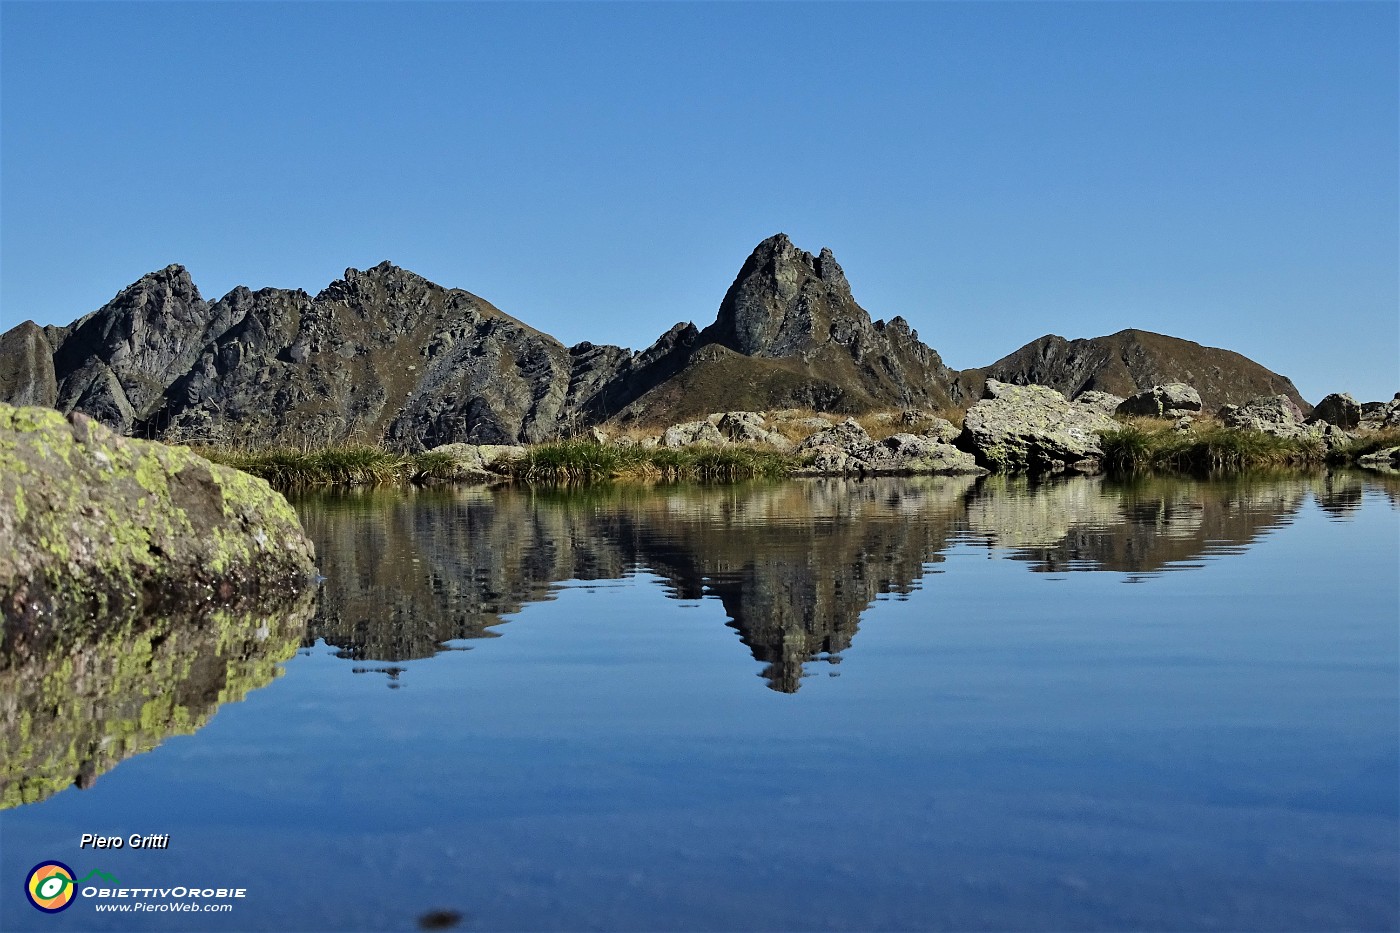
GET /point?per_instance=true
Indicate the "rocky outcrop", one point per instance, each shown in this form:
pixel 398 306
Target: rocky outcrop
pixel 1129 362
pixel 847 449
pixel 1340 409
pixel 1173 400
pixel 1379 416
pixel 1276 415
pixel 26 367
pixel 456 463
pixel 1385 460
pixel 691 432
pixel 1033 428
pixel 93 522
pixel 1103 402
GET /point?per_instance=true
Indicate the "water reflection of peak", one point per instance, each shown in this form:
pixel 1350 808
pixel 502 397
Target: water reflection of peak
pixel 1138 527
pixel 794 564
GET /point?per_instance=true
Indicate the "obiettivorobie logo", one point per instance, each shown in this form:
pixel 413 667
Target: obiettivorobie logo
pixel 51 886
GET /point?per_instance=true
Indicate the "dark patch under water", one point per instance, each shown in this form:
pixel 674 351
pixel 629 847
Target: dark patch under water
pixel 619 708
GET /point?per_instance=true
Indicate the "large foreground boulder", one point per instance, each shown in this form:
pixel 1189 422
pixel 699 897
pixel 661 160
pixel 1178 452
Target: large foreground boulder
pixel 1033 428
pixel 91 519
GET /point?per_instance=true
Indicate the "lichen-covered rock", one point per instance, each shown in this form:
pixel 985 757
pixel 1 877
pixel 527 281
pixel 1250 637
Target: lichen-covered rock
pixel 1171 400
pixel 1105 402
pixel 942 430
pixel 800 422
pixel 846 449
pixel 1033 428
pixel 458 463
pixel 1274 414
pixel 740 426
pixel 691 432
pixel 89 517
pixel 909 453
pixel 1340 409
pixel 847 434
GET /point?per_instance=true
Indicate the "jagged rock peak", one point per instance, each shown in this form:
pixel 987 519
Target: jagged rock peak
pixel 786 263
pixel 386 276
pixel 174 281
pixel 784 301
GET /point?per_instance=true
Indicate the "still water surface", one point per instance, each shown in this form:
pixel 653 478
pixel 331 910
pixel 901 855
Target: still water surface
pixel 897 704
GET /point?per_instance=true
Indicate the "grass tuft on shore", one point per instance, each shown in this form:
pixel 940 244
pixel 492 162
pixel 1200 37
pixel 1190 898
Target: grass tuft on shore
pixel 358 465
pixel 1136 448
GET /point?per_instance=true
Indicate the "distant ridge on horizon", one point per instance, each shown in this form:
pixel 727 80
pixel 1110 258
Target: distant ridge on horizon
pixel 385 356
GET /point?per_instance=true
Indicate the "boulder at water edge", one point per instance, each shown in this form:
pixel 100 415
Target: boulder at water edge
pixel 1033 428
pixel 846 449
pixel 90 521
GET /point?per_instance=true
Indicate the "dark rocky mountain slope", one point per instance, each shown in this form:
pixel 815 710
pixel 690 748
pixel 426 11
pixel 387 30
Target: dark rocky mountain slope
pixel 381 355
pixel 385 356
pixel 1128 362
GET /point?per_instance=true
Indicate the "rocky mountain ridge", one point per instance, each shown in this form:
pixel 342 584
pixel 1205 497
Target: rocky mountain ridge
pixel 385 356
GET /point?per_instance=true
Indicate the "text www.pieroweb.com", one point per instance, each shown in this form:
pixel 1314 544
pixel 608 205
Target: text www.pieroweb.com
pixel 165 907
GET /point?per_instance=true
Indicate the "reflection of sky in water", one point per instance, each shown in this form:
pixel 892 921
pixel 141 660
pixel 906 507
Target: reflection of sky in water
pixel 1002 749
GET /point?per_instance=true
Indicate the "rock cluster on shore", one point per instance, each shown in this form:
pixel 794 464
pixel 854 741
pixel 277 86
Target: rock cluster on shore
pixel 1011 429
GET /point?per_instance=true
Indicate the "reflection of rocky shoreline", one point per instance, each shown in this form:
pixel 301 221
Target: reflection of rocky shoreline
pixel 70 715
pixel 409 570
pixel 794 564
pixel 1139 526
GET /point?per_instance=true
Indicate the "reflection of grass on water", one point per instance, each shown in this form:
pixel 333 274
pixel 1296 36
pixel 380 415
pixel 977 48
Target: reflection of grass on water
pixel 1138 446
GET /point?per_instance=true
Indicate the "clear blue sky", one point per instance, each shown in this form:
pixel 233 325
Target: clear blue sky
pixel 1221 172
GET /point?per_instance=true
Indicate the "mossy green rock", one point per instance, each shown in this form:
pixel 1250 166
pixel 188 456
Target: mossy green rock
pixel 92 522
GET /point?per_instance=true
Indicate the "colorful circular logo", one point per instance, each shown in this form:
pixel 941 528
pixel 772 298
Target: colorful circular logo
pixel 50 886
